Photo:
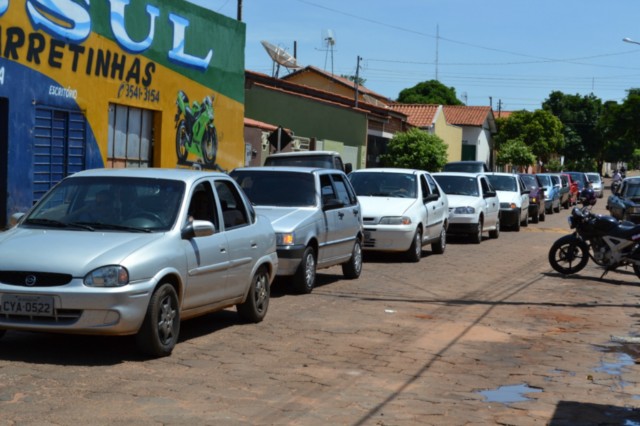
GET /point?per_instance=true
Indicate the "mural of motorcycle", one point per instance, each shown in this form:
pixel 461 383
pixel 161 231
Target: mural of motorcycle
pixel 195 131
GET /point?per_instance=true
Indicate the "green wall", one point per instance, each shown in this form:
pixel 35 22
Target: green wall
pixel 306 117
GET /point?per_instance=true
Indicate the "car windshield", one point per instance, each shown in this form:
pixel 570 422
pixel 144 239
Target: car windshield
pixel 110 203
pixel 458 185
pixel 503 183
pixel 530 181
pixel 381 184
pixel 283 189
pixel 632 189
pixel 545 180
pixel 594 177
pixel 319 161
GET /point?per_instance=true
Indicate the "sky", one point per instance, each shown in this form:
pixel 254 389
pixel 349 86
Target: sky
pixel 508 54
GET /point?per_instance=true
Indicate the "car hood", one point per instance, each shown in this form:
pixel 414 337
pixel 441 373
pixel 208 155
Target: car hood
pixel 385 206
pixel 284 219
pixel 508 197
pixel 70 252
pixel 463 200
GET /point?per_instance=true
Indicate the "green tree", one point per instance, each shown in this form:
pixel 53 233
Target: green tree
pixel 516 153
pixel 415 149
pixel 580 116
pixel 621 128
pixel 430 92
pixel 540 130
pixel 354 79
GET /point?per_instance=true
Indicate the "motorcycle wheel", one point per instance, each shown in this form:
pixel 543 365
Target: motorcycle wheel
pixel 210 147
pixel 568 255
pixel 181 141
pixel 636 270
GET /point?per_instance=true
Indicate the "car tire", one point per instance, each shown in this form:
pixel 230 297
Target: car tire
pixel 496 232
pixel 557 209
pixel 158 334
pixel 305 277
pixel 476 237
pixel 525 222
pixel 352 269
pixel 543 216
pixel 255 307
pixel 439 246
pixel 414 254
pixel 516 226
pixel 535 217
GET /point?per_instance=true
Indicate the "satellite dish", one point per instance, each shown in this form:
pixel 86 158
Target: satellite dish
pixel 280 56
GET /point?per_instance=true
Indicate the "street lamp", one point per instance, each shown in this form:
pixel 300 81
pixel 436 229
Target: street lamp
pixel 628 40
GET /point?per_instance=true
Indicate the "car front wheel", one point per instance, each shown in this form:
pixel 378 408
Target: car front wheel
pixel 255 307
pixel 496 232
pixel 305 277
pixel 352 269
pixel 159 332
pixel 476 237
pixel 440 245
pixel 415 251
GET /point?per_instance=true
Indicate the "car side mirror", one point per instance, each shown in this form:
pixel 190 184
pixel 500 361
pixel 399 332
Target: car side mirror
pixel 348 168
pixel 197 228
pixel 431 197
pixel 15 218
pixel 489 194
pixel 331 204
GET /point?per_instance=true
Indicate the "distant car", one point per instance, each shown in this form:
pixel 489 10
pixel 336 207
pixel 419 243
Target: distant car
pixel 580 178
pixel 402 210
pixel 316 216
pixel 596 183
pixel 514 199
pixel 128 251
pixel 466 167
pixel 474 206
pixel 568 191
pixel 625 204
pixel 537 211
pixel 551 192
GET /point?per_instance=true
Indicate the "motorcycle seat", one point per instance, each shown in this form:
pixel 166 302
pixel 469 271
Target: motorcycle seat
pixel 626 230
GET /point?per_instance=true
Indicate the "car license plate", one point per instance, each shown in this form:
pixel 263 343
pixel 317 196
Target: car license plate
pixel 13 304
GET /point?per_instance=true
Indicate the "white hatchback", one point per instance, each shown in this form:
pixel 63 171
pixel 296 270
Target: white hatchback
pixel 474 206
pixel 514 199
pixel 402 210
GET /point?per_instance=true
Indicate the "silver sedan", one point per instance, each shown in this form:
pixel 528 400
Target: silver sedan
pixel 133 251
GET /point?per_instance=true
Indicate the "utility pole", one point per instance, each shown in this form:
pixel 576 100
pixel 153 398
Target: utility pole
pixel 437 45
pixel 239 10
pixel 357 82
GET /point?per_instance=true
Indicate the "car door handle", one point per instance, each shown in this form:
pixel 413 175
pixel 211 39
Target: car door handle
pixel 355 212
pixel 340 215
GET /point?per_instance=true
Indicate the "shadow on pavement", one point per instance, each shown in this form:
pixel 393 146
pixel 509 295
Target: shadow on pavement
pixel 570 413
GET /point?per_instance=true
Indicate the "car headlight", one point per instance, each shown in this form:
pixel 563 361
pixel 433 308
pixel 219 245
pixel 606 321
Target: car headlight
pixel 464 210
pixel 395 220
pixel 285 238
pixel 534 200
pixel 107 276
pixel 634 210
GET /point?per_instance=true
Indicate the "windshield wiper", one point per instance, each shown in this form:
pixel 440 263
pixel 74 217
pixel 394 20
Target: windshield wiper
pixel 57 224
pixel 101 225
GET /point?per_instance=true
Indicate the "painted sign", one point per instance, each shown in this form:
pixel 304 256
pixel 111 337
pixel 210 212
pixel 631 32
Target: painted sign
pixel 114 58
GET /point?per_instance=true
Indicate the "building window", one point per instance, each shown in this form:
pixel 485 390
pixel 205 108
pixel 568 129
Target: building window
pixel 130 137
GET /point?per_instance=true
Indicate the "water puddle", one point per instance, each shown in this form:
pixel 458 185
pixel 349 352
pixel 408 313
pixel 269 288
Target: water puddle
pixel 509 394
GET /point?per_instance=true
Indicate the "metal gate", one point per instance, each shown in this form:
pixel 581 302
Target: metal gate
pixel 58 148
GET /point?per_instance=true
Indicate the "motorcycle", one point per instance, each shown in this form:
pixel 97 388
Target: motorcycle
pixel 603 239
pixel 195 131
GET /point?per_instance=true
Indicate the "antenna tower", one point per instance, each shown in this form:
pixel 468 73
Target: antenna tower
pixel 328 40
